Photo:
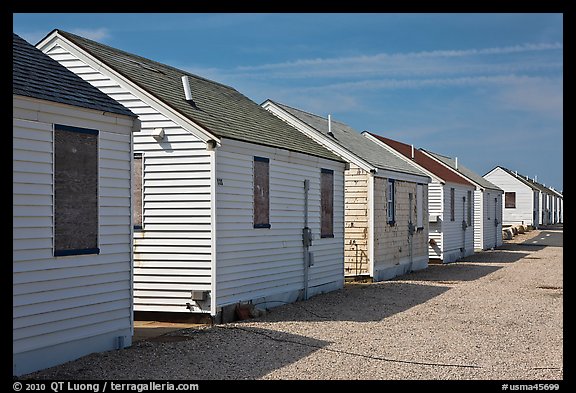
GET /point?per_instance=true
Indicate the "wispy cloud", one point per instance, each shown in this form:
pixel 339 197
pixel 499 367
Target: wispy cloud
pixel 382 84
pixel 383 57
pixel 100 34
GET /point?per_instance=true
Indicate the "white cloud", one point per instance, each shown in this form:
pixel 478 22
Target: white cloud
pixel 388 59
pixel 386 84
pixel 99 34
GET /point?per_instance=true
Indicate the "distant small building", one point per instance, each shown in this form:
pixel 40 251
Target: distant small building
pixel 558 200
pixel 487 204
pixel 386 225
pixel 72 230
pixel 525 200
pixel 450 203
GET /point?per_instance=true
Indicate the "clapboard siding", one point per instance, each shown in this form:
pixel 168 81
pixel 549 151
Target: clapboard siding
pixel 491 229
pixel 526 198
pixel 356 255
pixel 176 199
pixel 456 241
pixel 391 245
pixel 58 300
pixel 262 262
pixel 481 206
pixel 435 209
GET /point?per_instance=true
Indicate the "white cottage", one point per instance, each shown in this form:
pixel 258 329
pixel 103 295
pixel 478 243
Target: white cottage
pixel 557 203
pixel 72 232
pixel 386 233
pixel 450 203
pixel 232 204
pixel 523 197
pixel 487 204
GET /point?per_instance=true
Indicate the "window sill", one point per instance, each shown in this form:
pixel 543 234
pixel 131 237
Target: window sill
pixel 327 236
pixel 85 251
pixel 260 226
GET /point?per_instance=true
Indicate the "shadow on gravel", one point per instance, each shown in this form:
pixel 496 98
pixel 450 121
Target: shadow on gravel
pixel 451 273
pixel 358 302
pixel 503 254
pixel 370 302
pixel 520 247
pixel 222 352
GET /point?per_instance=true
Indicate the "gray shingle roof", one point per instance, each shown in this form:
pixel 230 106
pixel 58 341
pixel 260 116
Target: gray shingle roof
pixel 36 75
pixel 526 180
pixel 353 141
pixel 220 109
pixel 451 162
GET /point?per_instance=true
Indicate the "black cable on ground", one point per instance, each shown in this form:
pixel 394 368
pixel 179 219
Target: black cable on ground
pixel 351 353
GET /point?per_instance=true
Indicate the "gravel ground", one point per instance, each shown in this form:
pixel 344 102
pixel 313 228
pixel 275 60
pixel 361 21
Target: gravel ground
pixel 493 315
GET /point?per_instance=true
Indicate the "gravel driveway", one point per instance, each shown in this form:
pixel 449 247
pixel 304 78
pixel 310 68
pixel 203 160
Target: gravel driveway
pixel 493 315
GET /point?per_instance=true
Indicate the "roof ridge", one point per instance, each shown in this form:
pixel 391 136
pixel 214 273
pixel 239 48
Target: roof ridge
pixel 436 154
pixel 312 114
pixel 162 65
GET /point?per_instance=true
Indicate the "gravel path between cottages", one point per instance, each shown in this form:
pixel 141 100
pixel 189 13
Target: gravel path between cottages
pixel 493 315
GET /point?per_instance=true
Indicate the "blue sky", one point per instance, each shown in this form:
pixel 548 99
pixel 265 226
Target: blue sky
pixel 487 88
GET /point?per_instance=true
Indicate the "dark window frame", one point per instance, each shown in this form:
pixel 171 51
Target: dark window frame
pixel 508 201
pixel 57 248
pixel 258 221
pixel 329 231
pixel 391 202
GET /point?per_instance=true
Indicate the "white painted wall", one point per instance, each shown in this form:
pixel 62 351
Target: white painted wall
pixel 263 264
pixel 173 252
pixel 496 206
pixel 436 209
pixel 456 241
pixel 488 224
pixel 526 203
pixel 480 208
pixel 67 307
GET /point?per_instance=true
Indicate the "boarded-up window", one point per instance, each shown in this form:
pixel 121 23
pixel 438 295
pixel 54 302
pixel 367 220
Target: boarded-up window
pixel 469 208
pixel 327 202
pixel 261 192
pixel 419 206
pixel 452 204
pixel 390 201
pixel 75 191
pixel 137 167
pixel 510 200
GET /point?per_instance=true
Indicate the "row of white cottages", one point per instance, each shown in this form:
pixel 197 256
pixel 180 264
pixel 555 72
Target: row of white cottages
pixel 526 201
pixel 141 187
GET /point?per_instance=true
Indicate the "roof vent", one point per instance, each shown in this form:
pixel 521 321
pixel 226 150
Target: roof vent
pixel 187 91
pixel 330 126
pixel 412 151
